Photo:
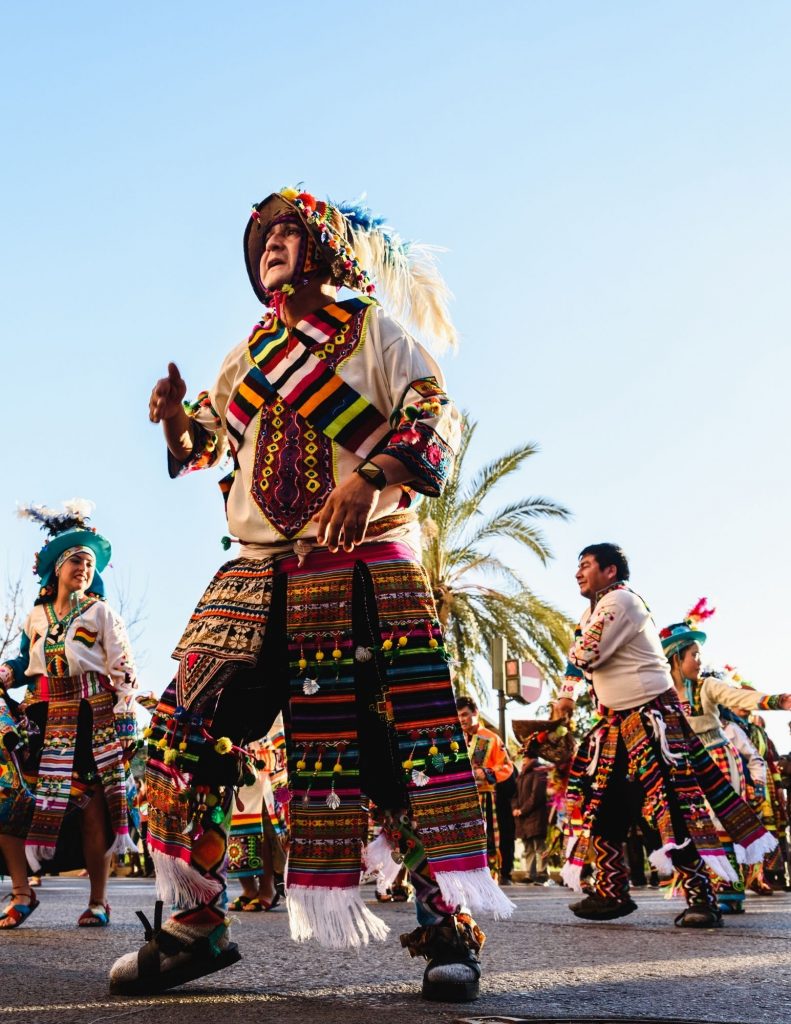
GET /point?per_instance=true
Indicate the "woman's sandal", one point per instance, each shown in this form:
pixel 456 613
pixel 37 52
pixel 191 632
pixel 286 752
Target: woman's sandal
pixel 205 958
pixel 256 905
pixel 96 915
pixel 240 903
pixel 17 913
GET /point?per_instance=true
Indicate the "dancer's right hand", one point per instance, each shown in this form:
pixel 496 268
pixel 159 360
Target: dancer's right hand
pixel 167 396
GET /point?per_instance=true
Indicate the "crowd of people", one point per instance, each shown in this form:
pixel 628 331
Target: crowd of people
pixel 311 734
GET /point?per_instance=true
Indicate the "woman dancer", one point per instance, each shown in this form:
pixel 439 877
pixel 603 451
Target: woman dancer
pixel 74 659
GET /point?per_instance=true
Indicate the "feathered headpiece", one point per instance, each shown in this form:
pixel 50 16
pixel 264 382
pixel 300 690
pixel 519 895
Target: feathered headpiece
pixel 360 248
pixel 682 634
pixel 699 613
pixel 76 512
pixel 66 529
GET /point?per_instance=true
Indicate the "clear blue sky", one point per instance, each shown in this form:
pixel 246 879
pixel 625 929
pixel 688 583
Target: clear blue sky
pixel 611 180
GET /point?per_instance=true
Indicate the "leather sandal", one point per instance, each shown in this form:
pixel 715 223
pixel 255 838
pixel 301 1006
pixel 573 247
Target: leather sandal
pixel 240 903
pixel 205 957
pixel 96 915
pixel 16 914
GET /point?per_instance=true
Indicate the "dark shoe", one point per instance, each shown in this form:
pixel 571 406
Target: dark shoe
pixel 699 917
pixel 506 880
pixel 187 961
pixel 453 971
pixel 597 908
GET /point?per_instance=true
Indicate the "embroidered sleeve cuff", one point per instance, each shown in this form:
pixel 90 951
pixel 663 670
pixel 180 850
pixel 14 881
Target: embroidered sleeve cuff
pixel 568 688
pixel 771 702
pixel 426 456
pixel 205 453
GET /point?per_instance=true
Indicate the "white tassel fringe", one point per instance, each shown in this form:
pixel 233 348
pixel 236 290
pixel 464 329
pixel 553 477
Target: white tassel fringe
pixel 572 876
pixel 756 851
pixel 721 866
pixel 180 884
pixel 335 918
pixel 378 859
pixel 660 859
pixel 476 890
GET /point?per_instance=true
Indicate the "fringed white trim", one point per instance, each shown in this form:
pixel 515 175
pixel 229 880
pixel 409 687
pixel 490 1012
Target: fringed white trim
pixel 123 844
pixel 378 858
pixel 721 866
pixel 35 855
pixel 572 876
pixel 476 890
pixel 335 918
pixel 660 859
pixel 180 884
pixel 757 850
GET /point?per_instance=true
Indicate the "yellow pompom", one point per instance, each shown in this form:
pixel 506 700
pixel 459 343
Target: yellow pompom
pixel 387 645
pixel 170 756
pixel 454 746
pixel 147 732
pixel 337 767
pixel 319 655
pixel 433 749
pixel 318 766
pixel 182 746
pixel 162 744
pixel 409 764
pixel 433 642
pixel 302 663
pixel 337 654
pixel 301 766
pixel 561 730
pixel 402 641
pixel 223 745
pixel 289 193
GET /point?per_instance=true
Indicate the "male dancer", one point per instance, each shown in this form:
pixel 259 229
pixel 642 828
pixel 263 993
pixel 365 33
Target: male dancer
pixel 335 421
pixel 641 759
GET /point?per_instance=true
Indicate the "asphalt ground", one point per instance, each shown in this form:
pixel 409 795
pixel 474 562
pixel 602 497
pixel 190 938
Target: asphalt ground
pixel 543 963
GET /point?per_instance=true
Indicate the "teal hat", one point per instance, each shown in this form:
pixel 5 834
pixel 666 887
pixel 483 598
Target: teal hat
pixel 681 634
pixel 678 636
pixel 67 530
pixel 77 537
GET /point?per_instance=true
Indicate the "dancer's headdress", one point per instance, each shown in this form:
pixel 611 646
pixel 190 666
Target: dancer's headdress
pixel 359 249
pixel 681 634
pixel 67 530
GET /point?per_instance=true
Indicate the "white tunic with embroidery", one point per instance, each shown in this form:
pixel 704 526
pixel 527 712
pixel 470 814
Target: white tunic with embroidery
pixel 95 641
pixel 286 468
pixel 619 650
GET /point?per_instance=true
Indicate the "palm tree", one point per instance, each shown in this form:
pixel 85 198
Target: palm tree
pixel 478 595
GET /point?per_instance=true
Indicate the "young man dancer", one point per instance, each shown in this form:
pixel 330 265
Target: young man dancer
pixel 641 760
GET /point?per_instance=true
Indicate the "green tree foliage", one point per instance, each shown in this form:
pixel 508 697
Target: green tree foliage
pixel 478 594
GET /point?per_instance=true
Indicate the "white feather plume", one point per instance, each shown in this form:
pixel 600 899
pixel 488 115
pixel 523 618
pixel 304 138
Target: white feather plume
pixel 407 277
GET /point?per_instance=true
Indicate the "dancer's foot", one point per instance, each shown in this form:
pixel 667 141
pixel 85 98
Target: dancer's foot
pixel 699 917
pixel 174 953
pixel 451 948
pixel 601 908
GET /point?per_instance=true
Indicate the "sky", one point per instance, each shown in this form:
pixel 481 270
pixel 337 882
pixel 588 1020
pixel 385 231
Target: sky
pixel 610 180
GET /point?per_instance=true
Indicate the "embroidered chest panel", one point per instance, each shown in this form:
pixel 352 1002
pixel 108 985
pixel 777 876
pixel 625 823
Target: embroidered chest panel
pixel 55 659
pixel 293 471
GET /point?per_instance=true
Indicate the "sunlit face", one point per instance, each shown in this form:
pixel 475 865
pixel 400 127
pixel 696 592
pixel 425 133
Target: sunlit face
pixel 690 662
pixel 76 573
pixel 280 257
pixel 468 719
pixel 591 578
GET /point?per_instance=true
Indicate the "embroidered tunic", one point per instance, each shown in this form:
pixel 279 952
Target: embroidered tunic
pixel 618 649
pixel 286 464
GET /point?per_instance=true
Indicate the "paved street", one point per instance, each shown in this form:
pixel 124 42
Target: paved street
pixel 543 963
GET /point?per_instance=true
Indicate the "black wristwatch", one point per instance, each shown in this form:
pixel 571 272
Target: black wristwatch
pixel 374 474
